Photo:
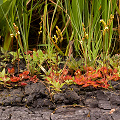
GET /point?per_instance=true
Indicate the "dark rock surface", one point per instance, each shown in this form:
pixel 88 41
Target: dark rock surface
pixel 34 102
pixel 22 113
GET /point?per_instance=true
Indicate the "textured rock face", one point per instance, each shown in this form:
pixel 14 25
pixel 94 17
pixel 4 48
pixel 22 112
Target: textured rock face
pixel 34 103
pixel 63 113
pixel 22 113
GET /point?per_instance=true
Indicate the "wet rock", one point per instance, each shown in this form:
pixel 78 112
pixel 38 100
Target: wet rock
pixel 84 112
pixel 101 95
pixel 70 114
pixel 71 97
pixel 11 97
pixel 77 89
pixel 116 114
pixel 116 84
pixel 42 103
pixel 105 117
pixel 92 102
pixel 104 104
pixel 59 98
pixel 22 113
pixel 115 99
pixel 36 88
pixel 33 92
pixel 95 113
pixel 95 105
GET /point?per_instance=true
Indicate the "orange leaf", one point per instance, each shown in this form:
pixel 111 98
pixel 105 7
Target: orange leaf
pixel 115 70
pixel 11 71
pixel 78 72
pixel 14 79
pixel 85 85
pixel 23 83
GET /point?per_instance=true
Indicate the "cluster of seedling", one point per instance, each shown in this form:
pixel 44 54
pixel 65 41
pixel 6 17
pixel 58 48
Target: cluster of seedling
pixel 57 77
pixel 10 80
pixel 99 78
pixel 96 78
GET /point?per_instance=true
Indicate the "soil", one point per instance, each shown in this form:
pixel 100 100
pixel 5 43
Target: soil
pixel 35 102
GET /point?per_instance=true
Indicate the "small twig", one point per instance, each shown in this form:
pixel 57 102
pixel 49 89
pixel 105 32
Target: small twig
pixel 18 56
pixel 65 12
pixel 69 54
pixel 28 2
pixel 43 69
pixel 65 106
pixel 66 25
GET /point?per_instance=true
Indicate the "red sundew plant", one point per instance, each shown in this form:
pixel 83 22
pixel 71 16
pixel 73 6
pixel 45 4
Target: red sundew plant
pixel 58 79
pixel 11 71
pixel 96 78
pixel 29 52
pixel 22 79
pixel 23 84
pixel 14 79
pixel 91 77
pixel 34 79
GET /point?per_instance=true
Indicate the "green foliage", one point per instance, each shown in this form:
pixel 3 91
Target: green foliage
pixel 5 55
pixel 16 55
pixel 7 18
pixel 3 78
pixel 114 62
pixel 56 85
pixel 87 24
pixel 85 18
pixel 16 12
pixel 57 79
pixel 37 60
pixel 10 80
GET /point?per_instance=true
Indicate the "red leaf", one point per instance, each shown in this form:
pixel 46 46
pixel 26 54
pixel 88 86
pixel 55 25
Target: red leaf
pixel 111 71
pixel 67 77
pixel 98 81
pixel 79 80
pixel 89 81
pixel 23 83
pixel 24 76
pixel 95 85
pixel 43 51
pixel 89 68
pixel 78 72
pixel 34 79
pixel 104 70
pixel 105 86
pixel 8 70
pixel 35 76
pixel 115 70
pixel 14 79
pixel 26 72
pixel 21 75
pixel 102 80
pixel 11 71
pixel 97 75
pixel 28 52
pixel 65 72
pixel 85 85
